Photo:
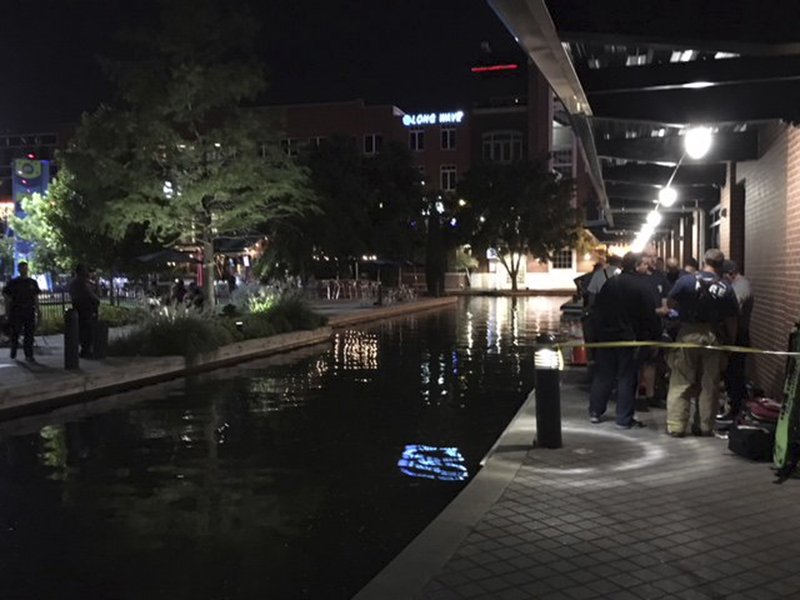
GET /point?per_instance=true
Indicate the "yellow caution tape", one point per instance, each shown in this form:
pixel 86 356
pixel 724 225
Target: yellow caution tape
pixel 671 345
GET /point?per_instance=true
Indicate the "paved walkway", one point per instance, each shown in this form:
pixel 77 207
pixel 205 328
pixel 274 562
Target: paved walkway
pixel 617 514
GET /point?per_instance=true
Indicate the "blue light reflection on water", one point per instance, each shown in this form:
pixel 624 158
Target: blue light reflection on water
pixel 432 462
pixel 277 478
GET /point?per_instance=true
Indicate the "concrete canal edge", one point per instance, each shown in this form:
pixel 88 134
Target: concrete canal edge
pixel 409 572
pixel 57 387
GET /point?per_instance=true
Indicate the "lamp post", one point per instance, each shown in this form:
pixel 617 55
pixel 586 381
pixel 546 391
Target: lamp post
pixel 547 362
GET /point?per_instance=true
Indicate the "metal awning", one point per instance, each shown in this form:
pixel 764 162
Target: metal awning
pixel 634 76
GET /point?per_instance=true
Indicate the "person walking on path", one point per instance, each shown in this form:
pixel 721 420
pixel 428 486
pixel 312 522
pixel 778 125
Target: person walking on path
pixel 707 311
pixel 625 311
pixel 86 303
pixel 22 307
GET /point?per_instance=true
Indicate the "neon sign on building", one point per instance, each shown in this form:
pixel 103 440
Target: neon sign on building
pixel 444 118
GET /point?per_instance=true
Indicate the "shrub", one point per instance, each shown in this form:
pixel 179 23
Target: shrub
pixel 53 321
pixel 257 325
pixel 287 313
pixel 165 334
pixel 294 311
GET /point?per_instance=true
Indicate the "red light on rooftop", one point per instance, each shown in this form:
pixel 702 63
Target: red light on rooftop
pixel 490 68
pixel 31 155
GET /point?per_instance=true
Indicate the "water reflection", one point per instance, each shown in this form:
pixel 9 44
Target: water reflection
pixel 253 481
pixel 431 462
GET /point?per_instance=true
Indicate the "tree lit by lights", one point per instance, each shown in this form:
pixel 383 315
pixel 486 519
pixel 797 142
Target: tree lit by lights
pixel 433 462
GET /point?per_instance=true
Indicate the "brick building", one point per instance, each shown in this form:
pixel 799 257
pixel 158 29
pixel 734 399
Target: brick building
pixel 760 228
pixel 635 83
pixel 512 116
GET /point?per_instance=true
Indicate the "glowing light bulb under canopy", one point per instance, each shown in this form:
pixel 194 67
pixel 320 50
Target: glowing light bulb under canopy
pixel 653 218
pixel 667 196
pixel 697 142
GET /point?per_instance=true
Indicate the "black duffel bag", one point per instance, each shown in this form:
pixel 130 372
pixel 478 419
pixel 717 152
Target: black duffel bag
pixel 751 440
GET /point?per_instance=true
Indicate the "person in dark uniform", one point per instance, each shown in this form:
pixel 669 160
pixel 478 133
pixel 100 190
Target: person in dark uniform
pixel 22 299
pixel 625 310
pixel 708 313
pixel 86 303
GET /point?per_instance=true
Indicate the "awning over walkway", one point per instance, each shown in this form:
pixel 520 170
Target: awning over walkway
pixel 634 76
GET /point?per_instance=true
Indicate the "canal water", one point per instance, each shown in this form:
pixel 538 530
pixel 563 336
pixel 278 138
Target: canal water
pixel 295 476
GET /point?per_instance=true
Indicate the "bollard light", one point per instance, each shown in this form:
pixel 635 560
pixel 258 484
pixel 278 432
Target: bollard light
pixel 548 358
pixel 548 362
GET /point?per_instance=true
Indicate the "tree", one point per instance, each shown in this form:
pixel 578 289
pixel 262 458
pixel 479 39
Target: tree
pixel 517 209
pixel 181 156
pixel 63 235
pixel 369 205
pixel 395 203
pixel 466 262
pixel 48 249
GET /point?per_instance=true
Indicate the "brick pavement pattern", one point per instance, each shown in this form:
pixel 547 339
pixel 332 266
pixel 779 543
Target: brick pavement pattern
pixel 631 514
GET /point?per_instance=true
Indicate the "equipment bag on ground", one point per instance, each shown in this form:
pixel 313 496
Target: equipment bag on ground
pixel 751 440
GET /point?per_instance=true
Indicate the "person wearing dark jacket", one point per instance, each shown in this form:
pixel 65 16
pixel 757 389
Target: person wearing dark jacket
pixel 625 310
pixel 22 298
pixel 708 312
pixel 86 303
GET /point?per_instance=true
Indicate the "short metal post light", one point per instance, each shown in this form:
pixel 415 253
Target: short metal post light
pixel 71 339
pixel 548 362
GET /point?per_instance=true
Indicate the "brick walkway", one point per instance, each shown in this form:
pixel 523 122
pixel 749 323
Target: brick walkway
pixel 628 514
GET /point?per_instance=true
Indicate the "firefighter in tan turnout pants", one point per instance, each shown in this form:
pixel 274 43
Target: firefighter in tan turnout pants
pixel 707 310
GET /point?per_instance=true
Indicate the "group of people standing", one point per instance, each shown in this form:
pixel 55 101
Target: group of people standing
pixel 640 298
pixel 21 296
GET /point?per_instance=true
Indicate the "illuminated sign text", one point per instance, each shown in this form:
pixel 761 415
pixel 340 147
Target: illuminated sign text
pixel 444 118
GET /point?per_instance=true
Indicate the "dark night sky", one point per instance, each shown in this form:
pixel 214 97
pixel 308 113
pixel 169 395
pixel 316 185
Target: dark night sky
pixel 413 53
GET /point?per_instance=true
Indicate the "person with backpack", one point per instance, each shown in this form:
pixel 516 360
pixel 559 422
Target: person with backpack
pixel 707 310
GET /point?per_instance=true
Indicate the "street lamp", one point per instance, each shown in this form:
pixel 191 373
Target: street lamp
pixel 697 142
pixel 667 196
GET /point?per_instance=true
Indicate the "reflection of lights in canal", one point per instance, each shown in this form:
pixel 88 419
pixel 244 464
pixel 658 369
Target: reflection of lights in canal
pixel 433 462
pixel 356 350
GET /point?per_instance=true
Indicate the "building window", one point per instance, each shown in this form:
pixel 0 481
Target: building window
pixel 714 221
pixel 448 138
pixel 448 180
pixel 290 146
pixel 373 142
pixel 416 140
pixel 564 259
pixel 502 146
pixel 315 141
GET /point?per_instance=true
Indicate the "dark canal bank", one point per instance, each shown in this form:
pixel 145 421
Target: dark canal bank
pixel 296 476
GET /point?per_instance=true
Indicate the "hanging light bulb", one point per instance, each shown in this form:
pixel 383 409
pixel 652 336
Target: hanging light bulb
pixel 653 218
pixel 667 196
pixel 697 142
